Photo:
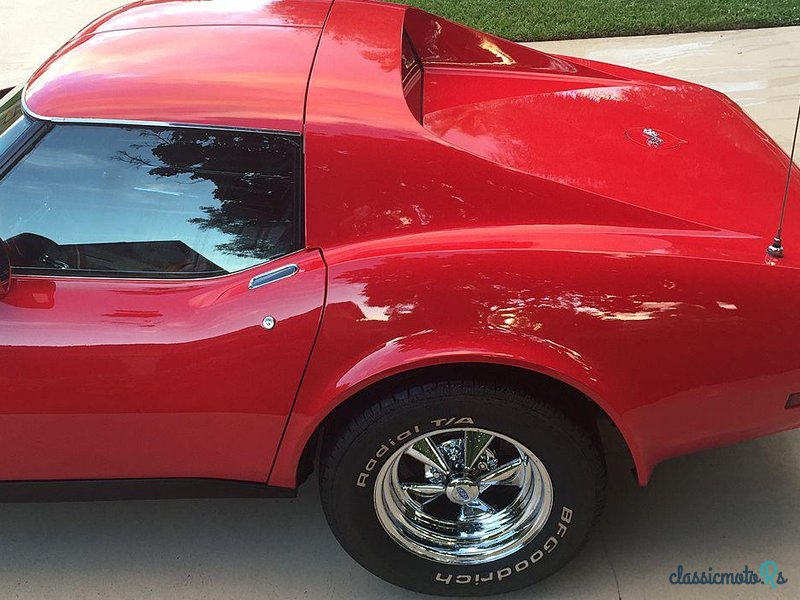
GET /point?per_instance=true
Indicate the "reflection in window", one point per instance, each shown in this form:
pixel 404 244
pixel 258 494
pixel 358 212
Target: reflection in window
pixel 103 200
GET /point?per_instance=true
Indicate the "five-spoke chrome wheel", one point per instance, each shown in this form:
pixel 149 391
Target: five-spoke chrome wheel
pixel 463 496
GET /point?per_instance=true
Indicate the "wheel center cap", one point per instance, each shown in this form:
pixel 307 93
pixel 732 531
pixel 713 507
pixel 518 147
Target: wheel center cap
pixel 462 491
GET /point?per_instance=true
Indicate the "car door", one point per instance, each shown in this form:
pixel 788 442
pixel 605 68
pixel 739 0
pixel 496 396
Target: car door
pixel 162 305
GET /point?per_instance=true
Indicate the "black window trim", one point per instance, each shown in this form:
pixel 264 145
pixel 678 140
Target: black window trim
pixel 23 145
pixel 421 67
pixel 43 125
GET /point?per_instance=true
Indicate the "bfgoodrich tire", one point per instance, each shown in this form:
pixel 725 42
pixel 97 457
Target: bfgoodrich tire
pixel 462 488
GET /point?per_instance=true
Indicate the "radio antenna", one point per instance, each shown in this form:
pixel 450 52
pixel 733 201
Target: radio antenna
pixel 776 249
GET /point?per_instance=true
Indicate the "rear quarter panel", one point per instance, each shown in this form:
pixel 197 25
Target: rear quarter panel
pixel 682 353
pixel 680 332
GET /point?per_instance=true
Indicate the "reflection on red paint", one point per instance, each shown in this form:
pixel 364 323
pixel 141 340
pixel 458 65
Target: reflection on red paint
pixel 514 223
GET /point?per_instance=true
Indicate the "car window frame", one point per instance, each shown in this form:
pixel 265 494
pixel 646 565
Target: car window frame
pixel 41 127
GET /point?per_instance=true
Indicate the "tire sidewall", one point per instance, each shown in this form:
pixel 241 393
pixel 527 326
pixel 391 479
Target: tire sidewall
pixel 356 524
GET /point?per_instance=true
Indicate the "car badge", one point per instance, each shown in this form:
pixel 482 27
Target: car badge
pixel 463 493
pixel 653 138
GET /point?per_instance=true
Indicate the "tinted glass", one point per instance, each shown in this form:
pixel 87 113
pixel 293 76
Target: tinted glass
pixel 134 201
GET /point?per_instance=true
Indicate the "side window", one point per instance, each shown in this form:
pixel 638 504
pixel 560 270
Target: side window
pixel 151 202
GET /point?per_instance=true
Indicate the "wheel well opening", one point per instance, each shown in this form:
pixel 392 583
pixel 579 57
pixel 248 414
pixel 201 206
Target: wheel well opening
pixel 576 405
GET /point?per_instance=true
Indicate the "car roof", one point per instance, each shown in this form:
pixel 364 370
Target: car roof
pixel 226 63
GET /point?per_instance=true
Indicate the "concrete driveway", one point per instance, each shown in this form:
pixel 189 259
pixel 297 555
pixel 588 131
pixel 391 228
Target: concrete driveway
pixel 723 509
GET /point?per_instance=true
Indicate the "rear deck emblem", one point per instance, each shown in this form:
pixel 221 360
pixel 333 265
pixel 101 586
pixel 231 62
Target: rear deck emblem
pixel 653 138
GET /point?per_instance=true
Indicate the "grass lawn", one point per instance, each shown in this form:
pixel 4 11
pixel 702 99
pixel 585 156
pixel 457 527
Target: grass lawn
pixel 530 20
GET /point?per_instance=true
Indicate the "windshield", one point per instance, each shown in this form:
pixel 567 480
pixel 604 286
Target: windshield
pixel 13 122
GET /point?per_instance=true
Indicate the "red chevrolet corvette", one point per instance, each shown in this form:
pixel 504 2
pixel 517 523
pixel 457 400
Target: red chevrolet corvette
pixel 248 240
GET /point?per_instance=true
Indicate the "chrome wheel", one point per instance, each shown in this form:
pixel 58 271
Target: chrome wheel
pixel 463 496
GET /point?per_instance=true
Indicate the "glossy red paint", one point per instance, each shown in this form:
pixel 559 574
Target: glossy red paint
pixel 500 161
pixel 517 224
pixel 136 378
pixel 194 67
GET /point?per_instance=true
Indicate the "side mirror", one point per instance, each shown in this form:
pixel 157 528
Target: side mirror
pixel 5 269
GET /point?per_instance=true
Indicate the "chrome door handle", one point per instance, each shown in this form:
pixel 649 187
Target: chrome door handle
pixel 273 276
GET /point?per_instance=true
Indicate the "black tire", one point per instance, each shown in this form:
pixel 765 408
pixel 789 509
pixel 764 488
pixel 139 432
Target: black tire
pixel 353 458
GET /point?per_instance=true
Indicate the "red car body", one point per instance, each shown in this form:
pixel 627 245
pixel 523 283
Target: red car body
pixel 503 208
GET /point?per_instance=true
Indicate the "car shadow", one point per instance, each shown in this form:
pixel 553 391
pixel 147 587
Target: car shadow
pixel 722 508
